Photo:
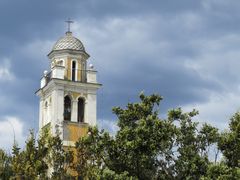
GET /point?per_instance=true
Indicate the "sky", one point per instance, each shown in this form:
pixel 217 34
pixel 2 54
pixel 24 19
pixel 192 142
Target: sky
pixel 188 51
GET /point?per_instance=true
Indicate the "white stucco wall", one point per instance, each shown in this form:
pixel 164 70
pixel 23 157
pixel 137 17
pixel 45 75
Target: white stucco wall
pixel 40 114
pixel 91 76
pixel 91 109
pixel 58 72
pixel 57 109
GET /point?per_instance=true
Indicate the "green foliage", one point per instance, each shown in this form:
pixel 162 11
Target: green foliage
pixel 221 171
pixel 144 147
pixel 107 174
pixel 59 158
pixel 229 142
pixel 141 139
pixel 192 145
pixel 30 163
pixel 35 161
pixel 5 165
pixel 91 153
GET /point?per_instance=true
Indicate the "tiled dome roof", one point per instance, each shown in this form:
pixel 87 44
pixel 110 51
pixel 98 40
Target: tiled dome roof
pixel 68 42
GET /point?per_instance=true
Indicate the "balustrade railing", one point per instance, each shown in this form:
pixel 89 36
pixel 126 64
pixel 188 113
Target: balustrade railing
pixel 48 77
pixel 75 75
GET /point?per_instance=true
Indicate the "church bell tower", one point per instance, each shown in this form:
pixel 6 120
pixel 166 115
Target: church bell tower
pixel 68 92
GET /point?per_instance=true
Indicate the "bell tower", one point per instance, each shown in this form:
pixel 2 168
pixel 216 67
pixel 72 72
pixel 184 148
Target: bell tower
pixel 68 92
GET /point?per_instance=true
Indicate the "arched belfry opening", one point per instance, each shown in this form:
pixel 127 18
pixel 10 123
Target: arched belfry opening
pixel 73 70
pixel 67 108
pixel 81 107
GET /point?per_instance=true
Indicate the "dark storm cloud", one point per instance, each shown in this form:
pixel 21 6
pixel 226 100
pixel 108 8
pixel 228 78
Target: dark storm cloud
pixel 175 48
pixel 24 19
pixel 178 86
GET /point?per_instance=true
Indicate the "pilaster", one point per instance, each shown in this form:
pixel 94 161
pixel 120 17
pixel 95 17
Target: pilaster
pixel 40 114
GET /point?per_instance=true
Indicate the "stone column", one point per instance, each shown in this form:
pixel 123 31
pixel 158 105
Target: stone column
pixel 74 112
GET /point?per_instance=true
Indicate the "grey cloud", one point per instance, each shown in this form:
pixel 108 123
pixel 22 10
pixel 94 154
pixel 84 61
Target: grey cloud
pixel 136 45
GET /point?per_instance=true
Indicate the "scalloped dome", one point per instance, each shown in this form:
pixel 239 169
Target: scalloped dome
pixel 68 42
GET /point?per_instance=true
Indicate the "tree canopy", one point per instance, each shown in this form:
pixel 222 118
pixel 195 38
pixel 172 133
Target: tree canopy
pixel 145 146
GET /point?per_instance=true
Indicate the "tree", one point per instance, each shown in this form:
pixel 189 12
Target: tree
pixel 192 145
pixel 220 171
pixel 60 159
pixel 92 157
pixel 229 144
pixel 144 147
pixel 143 140
pixel 147 147
pixel 30 163
pixel 5 165
pixel 41 157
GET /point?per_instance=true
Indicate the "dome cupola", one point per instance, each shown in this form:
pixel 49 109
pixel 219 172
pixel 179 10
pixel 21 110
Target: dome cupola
pixel 68 45
pixel 68 42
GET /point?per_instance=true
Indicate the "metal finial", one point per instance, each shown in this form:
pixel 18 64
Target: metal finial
pixel 69 21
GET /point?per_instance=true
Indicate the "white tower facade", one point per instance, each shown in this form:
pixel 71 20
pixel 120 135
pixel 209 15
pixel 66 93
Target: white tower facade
pixel 68 93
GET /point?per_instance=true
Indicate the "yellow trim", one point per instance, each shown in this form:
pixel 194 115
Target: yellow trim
pixel 79 75
pixel 75 95
pixel 69 68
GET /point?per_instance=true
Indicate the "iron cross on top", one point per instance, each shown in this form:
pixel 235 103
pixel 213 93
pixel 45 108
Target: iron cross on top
pixel 69 21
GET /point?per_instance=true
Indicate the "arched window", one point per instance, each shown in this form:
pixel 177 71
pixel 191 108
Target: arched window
pixel 81 104
pixel 67 108
pixel 73 70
